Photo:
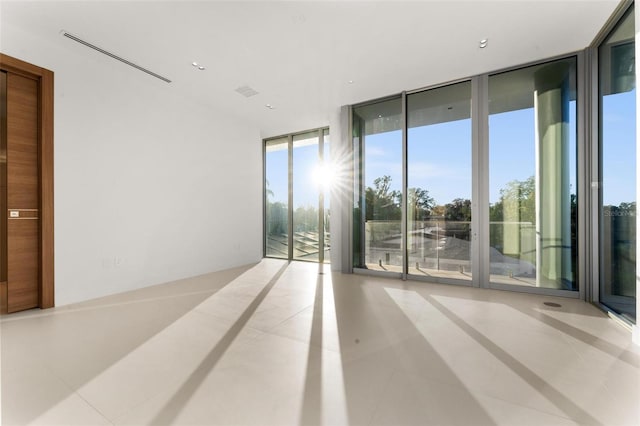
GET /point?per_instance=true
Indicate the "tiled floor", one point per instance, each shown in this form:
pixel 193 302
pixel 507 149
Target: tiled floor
pixel 282 344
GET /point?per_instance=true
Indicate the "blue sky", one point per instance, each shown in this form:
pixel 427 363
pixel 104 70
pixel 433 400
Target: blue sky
pixel 440 156
pixel 512 153
pixel 277 174
pixel 619 148
pixel 439 159
pixel 305 186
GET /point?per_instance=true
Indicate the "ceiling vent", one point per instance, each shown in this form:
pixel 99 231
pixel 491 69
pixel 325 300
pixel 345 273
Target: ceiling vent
pixel 246 91
pixel 114 56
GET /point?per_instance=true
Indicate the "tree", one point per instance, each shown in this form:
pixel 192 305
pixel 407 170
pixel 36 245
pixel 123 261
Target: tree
pixel 517 203
pixel 457 216
pixel 517 200
pixel 420 203
pixel 277 218
pixel 382 203
pixel 268 191
pixel 459 210
pixel 277 215
pixel 306 219
pixel 438 211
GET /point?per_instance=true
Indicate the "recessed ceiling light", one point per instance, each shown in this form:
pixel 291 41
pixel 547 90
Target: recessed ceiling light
pixel 270 106
pixel 379 115
pixel 201 68
pixel 350 81
pixel 195 64
pixel 483 43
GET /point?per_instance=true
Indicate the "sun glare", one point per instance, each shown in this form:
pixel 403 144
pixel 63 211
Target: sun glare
pixel 324 176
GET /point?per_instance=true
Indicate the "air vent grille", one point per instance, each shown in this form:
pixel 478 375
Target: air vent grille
pixel 246 91
pixel 114 56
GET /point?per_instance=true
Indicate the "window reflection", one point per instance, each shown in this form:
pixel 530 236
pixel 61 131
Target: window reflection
pixel 618 168
pixel 532 162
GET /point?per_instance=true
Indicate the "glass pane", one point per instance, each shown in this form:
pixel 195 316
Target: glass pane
pixel 306 195
pixel 532 174
pixel 439 182
pixel 377 207
pixel 328 178
pixel 277 198
pixel 357 240
pixel 618 168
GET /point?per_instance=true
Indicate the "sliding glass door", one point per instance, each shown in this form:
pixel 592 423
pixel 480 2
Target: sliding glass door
pixel 378 190
pixel 414 162
pixel 439 182
pixel 617 201
pixel 276 192
pixel 326 177
pixel 306 195
pixel 296 208
pixel 522 179
pixel 532 176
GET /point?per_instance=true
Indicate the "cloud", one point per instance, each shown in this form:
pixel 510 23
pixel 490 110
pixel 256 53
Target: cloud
pixel 422 170
pixel 375 151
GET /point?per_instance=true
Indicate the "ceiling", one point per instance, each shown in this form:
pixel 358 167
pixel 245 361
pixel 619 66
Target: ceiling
pixel 307 58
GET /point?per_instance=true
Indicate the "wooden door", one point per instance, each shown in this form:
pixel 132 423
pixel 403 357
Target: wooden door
pixel 26 187
pixel 22 193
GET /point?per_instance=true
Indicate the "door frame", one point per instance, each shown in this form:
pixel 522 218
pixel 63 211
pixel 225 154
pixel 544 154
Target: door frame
pixel 44 78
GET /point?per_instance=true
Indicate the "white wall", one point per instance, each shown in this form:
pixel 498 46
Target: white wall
pixel 149 187
pixel 338 155
pixel 341 203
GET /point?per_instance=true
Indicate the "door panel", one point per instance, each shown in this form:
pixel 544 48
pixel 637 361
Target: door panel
pixel 26 186
pixel 22 193
pixel 23 264
pixel 3 192
pixel 276 165
pixel 22 146
pixel 617 203
pixel 439 205
pixel 306 235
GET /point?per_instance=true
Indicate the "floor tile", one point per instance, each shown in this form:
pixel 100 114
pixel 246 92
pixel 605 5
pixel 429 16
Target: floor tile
pixel 36 396
pixel 279 343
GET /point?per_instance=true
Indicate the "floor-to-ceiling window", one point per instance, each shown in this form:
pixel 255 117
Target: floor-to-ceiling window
pixel 413 181
pixel 617 202
pixel 297 175
pixel 276 226
pixel 377 129
pixel 325 174
pixel 306 195
pixel 439 182
pixel 553 213
pixel 532 176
